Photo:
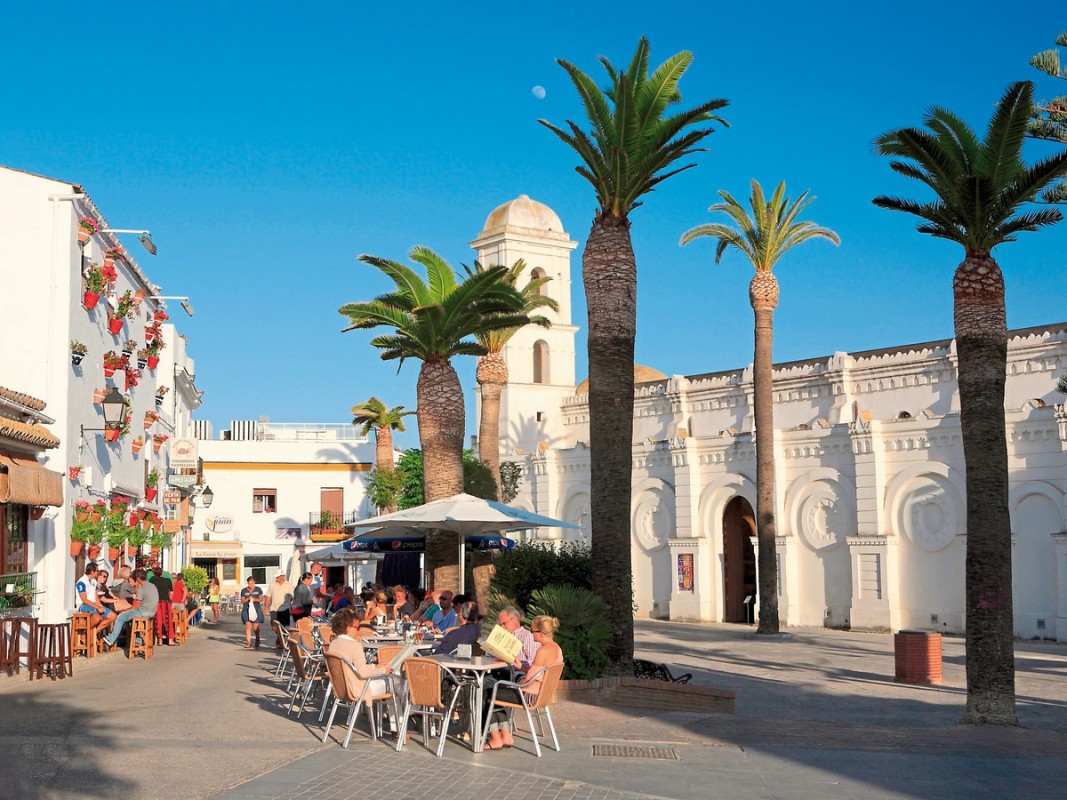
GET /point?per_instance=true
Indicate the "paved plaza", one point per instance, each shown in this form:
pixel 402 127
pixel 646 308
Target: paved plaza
pixel 818 716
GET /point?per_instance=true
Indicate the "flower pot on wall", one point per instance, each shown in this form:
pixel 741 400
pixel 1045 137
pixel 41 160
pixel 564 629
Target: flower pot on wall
pixel 90 300
pixel 93 552
pixel 153 362
pixel 76 359
pixel 131 550
pixel 112 434
pixel 114 324
pixel 84 234
pixel 136 445
pixel 142 363
pixel 100 394
pixel 150 493
pixel 76 548
pixel 112 553
pixel 159 401
pixel 109 372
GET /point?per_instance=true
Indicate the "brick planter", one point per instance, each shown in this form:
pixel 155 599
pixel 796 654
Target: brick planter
pixel 918 657
pixel 639 693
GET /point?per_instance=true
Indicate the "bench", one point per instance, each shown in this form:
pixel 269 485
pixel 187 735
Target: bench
pixel 650 670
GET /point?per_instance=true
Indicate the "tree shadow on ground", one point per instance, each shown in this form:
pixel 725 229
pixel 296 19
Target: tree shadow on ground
pixel 51 749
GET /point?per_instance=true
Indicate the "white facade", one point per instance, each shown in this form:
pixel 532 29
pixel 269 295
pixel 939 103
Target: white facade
pixel 305 467
pixel 871 515
pixel 41 311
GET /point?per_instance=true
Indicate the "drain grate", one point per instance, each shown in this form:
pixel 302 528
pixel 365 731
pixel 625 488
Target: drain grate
pixel 634 751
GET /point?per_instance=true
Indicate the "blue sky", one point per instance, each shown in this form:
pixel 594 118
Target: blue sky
pixel 267 149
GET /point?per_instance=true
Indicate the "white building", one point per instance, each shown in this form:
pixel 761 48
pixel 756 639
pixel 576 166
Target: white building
pixel 280 490
pixel 42 311
pixel 870 475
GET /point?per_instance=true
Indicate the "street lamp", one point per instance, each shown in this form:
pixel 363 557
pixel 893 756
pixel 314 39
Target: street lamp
pixel 185 301
pixel 144 236
pixel 115 407
pixel 207 497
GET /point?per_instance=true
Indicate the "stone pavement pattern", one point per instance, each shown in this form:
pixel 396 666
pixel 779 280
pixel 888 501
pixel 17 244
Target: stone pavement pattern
pixel 818 716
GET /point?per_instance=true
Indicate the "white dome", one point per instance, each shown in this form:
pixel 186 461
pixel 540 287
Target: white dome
pixel 522 212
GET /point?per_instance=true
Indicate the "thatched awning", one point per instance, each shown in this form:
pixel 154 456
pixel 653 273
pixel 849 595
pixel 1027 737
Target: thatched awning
pixel 37 435
pixel 23 480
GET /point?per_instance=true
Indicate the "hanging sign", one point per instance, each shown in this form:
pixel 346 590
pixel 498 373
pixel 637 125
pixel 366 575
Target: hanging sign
pixel 183 453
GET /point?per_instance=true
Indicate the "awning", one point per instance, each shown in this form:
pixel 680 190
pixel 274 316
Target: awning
pixel 23 480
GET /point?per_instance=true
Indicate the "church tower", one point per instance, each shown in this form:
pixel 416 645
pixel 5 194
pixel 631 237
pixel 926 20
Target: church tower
pixel 540 360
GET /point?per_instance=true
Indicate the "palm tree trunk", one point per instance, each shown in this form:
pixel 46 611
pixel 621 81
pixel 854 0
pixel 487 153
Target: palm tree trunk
pixel 982 352
pixel 763 294
pixel 383 456
pixel 441 418
pixel 492 376
pixel 609 272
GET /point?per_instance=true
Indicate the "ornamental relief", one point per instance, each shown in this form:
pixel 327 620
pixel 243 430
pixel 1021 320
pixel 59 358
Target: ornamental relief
pixel 930 512
pixel 825 515
pixel 654 517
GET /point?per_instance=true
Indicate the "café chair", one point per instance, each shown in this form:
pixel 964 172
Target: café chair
pixel 283 659
pixel 306 669
pixel 424 698
pixel 340 669
pixel 387 652
pixel 546 695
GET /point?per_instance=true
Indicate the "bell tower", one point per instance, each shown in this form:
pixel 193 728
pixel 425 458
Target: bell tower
pixel 540 360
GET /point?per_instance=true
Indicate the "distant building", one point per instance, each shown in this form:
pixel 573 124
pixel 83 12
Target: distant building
pixel 871 515
pixel 44 310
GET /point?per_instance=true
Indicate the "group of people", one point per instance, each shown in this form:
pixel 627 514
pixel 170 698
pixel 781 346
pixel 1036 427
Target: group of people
pixel 135 593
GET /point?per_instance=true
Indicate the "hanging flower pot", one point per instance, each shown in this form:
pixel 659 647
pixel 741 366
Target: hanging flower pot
pixel 109 372
pixel 133 376
pixel 131 550
pixel 136 445
pixel 155 554
pixel 159 401
pixel 84 236
pixel 90 300
pixel 109 261
pixel 150 418
pixel 153 362
pixel 112 434
pixel 112 553
pixel 73 473
pixel 76 548
pixel 93 551
pixel 87 226
pixel 114 324
pixel 76 359
pixel 158 439
pixel 138 296
pixel 100 394
pixel 149 335
pixel 150 493
pixel 142 363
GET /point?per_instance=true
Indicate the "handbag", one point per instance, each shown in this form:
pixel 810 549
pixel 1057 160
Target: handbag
pixel 253 611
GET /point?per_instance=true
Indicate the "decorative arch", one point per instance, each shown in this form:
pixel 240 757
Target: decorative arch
pixel 653 515
pixel 536 273
pixel 1029 488
pixel 820 506
pixel 540 362
pixel 925 503
pixel 575 507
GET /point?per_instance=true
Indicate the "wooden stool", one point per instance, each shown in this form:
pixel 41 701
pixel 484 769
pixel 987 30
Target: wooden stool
pixel 82 635
pixel 181 624
pixel 141 627
pixel 53 651
pixel 11 649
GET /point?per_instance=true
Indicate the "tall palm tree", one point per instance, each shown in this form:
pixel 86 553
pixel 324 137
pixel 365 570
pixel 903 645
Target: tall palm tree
pixel 631 148
pixel 492 373
pixel 979 188
pixel 763 238
pixel 434 320
pixel 1048 118
pixel 372 415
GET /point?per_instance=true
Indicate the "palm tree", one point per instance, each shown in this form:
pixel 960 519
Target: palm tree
pixel 492 373
pixel 979 187
pixel 631 148
pixel 373 415
pixel 763 238
pixel 1048 118
pixel 433 321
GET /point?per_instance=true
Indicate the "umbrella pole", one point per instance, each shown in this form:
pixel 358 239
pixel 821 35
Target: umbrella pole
pixel 462 564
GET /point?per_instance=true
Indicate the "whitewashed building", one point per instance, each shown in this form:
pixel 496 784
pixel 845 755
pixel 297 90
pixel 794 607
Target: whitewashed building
pixel 870 475
pixel 42 311
pixel 280 490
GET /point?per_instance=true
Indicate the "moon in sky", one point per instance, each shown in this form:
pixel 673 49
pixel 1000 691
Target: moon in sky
pixel 539 92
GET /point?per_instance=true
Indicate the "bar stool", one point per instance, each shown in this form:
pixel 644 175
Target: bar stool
pixel 181 624
pixel 141 629
pixel 82 635
pixel 11 650
pixel 53 651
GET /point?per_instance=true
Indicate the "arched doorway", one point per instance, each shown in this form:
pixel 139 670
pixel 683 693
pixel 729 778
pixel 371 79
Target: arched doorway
pixel 739 560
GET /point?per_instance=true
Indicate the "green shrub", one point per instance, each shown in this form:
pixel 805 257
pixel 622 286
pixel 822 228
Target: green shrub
pixel 528 567
pixel 584 631
pixel 195 578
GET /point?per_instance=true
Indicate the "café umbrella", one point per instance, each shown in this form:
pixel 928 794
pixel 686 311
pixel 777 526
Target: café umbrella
pixel 463 514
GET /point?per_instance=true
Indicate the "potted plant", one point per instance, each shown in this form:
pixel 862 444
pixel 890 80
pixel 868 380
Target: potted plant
pixel 133 377
pixel 128 347
pixel 77 352
pixel 150 483
pixel 143 356
pixel 97 512
pixel 116 536
pixel 94 537
pixel 135 539
pixel 158 440
pixel 153 349
pixel 79 532
pixel 73 473
pixel 137 444
pixel 157 541
pixel 87 227
pixel 96 282
pixel 160 315
pixel 112 362
pixel 161 392
pixel 150 419
pixel 123 306
pixel 113 254
pixel 82 509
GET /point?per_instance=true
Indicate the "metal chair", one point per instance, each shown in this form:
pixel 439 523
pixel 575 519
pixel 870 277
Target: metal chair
pixel 283 660
pixel 340 669
pixel 306 668
pixel 546 695
pixel 387 653
pixel 425 678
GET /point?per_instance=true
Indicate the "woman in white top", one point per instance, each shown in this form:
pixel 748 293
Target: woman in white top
pixel 346 643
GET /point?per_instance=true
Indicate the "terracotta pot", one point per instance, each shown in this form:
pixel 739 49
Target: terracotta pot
pixel 156 446
pixel 90 300
pixel 81 516
pixel 100 394
pixel 109 261
pixel 112 553
pixel 131 550
pixel 84 235
pixel 94 516
pixel 93 551
pixel 153 362
pixel 149 335
pixel 136 446
pixel 155 554
pixel 112 434
pixel 150 493
pixel 73 473
pixel 109 372
pixel 114 324
pixel 139 295
pixel 76 549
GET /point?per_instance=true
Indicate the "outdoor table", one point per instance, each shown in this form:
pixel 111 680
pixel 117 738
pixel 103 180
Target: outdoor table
pixel 477 668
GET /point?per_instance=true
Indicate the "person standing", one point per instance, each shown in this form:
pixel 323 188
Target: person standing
pixel 251 611
pixel 303 599
pixel 164 611
pixel 214 595
pixel 279 601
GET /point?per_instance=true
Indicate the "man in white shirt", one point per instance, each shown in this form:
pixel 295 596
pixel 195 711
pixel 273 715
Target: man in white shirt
pixel 89 603
pixel 510 619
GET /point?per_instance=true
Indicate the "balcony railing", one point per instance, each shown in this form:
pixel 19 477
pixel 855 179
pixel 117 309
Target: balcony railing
pixel 328 526
pixel 17 590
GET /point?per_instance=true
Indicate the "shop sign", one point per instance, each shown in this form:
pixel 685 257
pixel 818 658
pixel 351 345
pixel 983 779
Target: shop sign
pixel 219 523
pixel 181 480
pixel 171 497
pixel 183 454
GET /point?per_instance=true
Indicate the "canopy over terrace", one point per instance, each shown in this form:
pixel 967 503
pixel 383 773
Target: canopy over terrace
pixel 463 514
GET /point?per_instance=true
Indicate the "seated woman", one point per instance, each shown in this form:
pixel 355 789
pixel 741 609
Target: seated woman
pixel 550 653
pixel 105 595
pixel 345 643
pixel 378 606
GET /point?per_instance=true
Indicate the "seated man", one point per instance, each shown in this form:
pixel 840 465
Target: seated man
pixel 466 632
pixel 427 608
pixel 510 619
pixel 445 617
pixel 402 607
pixel 89 602
pixel 145 603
